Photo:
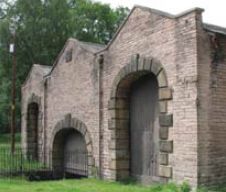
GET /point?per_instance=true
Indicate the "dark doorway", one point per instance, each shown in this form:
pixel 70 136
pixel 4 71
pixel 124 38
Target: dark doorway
pixel 144 128
pixel 70 154
pixel 32 131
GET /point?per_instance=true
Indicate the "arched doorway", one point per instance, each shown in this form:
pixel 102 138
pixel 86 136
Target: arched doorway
pixel 69 155
pixel 32 131
pixel 139 122
pixel 144 127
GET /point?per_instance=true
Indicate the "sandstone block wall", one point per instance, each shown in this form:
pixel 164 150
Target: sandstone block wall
pixel 189 63
pixel 174 44
pixel 33 92
pixel 211 107
pixel 72 88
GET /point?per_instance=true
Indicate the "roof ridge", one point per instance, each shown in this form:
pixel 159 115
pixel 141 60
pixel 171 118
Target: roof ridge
pixel 37 67
pixel 161 13
pixel 214 28
pixel 87 42
pixel 82 44
pixel 91 43
pixel 41 65
pixel 169 15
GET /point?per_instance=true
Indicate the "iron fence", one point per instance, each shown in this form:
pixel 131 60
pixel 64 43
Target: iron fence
pixel 72 164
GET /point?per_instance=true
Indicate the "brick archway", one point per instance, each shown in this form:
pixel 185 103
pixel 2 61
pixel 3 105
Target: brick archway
pixel 118 108
pixel 73 124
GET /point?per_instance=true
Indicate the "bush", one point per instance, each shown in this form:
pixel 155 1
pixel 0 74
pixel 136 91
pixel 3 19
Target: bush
pixel 184 187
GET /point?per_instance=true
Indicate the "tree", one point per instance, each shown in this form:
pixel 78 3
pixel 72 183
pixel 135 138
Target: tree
pixel 95 22
pixel 42 28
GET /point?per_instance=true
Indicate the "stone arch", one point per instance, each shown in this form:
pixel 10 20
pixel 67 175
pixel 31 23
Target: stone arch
pixel 118 124
pixel 33 126
pixel 67 124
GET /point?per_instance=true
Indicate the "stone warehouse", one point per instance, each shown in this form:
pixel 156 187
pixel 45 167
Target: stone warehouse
pixel 149 105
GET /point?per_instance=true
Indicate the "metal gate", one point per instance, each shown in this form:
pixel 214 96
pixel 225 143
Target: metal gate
pixel 75 155
pixel 69 155
pixel 75 163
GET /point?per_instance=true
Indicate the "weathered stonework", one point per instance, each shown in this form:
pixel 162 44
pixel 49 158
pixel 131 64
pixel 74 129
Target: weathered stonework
pixel 138 66
pixel 165 171
pixel 88 89
pixel 166 146
pixel 166 120
pixel 163 159
pixel 76 124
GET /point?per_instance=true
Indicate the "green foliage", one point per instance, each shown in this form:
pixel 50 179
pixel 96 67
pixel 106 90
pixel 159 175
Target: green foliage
pixel 5 139
pixel 16 162
pixel 95 22
pixel 5 142
pixel 185 187
pixel 42 27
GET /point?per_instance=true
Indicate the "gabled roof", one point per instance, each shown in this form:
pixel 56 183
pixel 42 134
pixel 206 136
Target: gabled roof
pixel 214 28
pixel 157 12
pixel 92 48
pixel 43 69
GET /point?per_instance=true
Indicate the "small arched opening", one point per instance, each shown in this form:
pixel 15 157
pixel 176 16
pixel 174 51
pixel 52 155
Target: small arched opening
pixel 32 131
pixel 69 155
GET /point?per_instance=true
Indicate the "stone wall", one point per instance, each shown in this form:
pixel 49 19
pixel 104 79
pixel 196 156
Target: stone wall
pixel 33 92
pixel 174 43
pixel 72 88
pixel 89 87
pixel 211 108
pixel 119 119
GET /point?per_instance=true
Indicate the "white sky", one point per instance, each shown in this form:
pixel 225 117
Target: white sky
pixel 215 10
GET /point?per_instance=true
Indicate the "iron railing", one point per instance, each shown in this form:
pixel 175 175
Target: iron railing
pixel 71 164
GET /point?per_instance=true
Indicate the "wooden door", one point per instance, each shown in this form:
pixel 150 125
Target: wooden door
pixel 144 128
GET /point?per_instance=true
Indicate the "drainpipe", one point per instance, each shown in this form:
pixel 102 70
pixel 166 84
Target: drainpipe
pixel 44 119
pixel 101 62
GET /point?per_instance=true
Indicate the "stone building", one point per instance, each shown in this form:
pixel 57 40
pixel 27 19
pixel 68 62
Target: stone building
pixel 151 104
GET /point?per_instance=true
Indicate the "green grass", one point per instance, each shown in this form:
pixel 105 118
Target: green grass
pixel 84 185
pixel 17 162
pixel 91 185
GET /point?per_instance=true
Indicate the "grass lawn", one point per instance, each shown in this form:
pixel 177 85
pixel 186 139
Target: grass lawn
pixel 91 185
pixel 83 185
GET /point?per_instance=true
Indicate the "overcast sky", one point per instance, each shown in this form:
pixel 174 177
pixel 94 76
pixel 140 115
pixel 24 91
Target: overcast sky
pixel 215 10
